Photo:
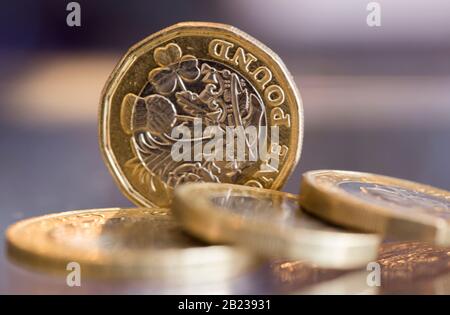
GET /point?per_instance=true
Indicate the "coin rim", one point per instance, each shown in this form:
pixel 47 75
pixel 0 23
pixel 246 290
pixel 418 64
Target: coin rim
pixel 295 140
pixel 339 207
pixel 171 265
pixel 212 223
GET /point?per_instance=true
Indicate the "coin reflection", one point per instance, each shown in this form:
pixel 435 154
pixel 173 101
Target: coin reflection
pixel 407 267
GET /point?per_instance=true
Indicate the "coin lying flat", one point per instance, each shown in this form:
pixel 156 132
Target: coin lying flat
pixel 270 223
pixel 121 243
pixel 394 207
pixel 173 92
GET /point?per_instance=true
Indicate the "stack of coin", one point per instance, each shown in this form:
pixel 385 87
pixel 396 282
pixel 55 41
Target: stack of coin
pixel 200 125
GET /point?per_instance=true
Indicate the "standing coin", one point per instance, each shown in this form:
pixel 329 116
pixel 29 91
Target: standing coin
pixel 121 243
pixel 269 222
pixel 199 102
pixel 394 207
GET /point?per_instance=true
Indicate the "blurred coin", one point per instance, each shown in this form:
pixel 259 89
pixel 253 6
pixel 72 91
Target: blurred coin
pixel 121 243
pixel 268 222
pixel 170 87
pixel 374 203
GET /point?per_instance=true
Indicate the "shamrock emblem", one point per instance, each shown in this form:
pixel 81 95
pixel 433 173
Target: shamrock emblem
pixel 173 69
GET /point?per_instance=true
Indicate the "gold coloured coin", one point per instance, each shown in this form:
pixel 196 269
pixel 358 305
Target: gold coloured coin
pixel 117 242
pixel 394 207
pixel 268 222
pixel 171 87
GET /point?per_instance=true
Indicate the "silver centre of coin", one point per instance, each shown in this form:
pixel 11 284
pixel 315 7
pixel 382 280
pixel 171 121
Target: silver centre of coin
pixel 399 197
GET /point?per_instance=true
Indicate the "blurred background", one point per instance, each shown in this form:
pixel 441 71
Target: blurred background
pixel 376 99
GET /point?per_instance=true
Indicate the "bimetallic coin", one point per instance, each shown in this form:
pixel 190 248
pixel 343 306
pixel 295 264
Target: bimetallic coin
pixel 394 207
pixel 270 223
pixel 199 102
pixel 132 243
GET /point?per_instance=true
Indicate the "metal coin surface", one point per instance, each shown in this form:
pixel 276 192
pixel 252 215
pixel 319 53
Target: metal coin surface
pixel 394 207
pixel 270 223
pixel 199 102
pixel 117 242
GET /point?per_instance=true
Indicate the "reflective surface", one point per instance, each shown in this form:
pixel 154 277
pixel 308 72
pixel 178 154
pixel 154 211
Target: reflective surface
pixel 53 187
